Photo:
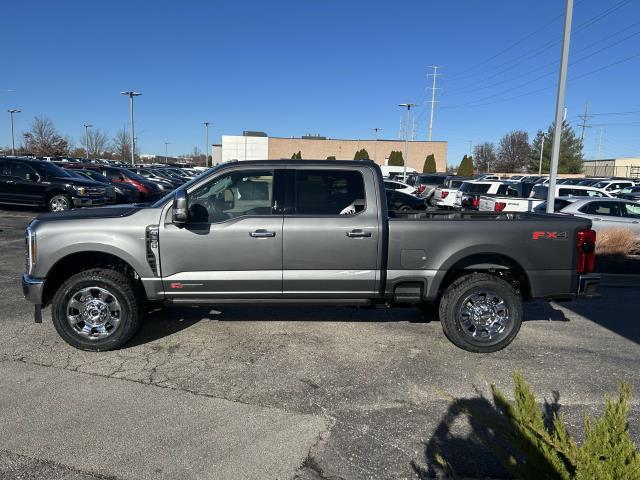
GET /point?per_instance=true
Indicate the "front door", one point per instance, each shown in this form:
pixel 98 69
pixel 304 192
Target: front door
pixel 22 184
pixel 231 246
pixel 331 234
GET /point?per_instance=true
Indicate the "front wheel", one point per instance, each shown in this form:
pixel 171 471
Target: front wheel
pixel 97 310
pixel 60 202
pixel 481 313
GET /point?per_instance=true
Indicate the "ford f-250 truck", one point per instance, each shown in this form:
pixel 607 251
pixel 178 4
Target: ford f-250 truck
pixel 299 232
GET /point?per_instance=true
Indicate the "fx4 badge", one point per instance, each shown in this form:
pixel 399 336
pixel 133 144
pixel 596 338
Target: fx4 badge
pixel 549 235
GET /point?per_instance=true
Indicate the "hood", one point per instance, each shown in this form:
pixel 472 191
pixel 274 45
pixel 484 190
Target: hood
pixel 86 213
pixel 80 182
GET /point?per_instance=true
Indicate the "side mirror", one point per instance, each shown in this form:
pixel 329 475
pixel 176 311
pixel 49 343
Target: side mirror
pixel 180 208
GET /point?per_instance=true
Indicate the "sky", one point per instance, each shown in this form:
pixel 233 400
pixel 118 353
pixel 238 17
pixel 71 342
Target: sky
pixel 334 67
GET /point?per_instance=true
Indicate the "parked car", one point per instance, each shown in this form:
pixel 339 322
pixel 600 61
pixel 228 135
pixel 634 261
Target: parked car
pixel 125 193
pixel 630 193
pixel 299 231
pixel 558 204
pixel 469 193
pixel 444 196
pixel 399 187
pixel 613 186
pixel 541 191
pixel 156 175
pixel 400 201
pixel 587 182
pixel 43 184
pixel 110 190
pixel 606 213
pixel 426 183
pixel 516 199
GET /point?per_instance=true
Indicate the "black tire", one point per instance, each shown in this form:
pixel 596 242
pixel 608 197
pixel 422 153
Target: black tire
pixel 59 202
pixel 458 324
pixel 119 287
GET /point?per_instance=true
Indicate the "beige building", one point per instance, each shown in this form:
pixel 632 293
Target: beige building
pixel 240 147
pixel 613 167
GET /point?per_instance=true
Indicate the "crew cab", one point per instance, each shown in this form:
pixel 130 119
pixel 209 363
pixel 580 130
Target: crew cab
pixel 299 231
pixel 38 183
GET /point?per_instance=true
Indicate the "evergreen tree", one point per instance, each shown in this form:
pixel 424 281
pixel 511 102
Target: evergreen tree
pixel 331 157
pixel 297 156
pixel 361 154
pixel 395 159
pixel 570 160
pixel 466 167
pixel 429 164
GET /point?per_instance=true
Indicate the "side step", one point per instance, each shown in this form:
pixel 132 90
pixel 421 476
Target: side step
pixel 272 301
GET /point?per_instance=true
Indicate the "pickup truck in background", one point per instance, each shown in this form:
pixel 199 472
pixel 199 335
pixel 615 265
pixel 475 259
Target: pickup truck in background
pixel 444 196
pixel 469 193
pixel 516 199
pixel 299 232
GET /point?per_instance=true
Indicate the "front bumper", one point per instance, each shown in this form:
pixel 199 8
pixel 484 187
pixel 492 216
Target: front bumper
pixel 32 288
pixel 588 285
pixel 89 201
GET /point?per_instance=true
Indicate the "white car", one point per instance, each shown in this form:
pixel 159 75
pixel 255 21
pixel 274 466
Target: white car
pixel 562 190
pixel 444 196
pixel 468 195
pixel 604 213
pixel 613 186
pixel 399 187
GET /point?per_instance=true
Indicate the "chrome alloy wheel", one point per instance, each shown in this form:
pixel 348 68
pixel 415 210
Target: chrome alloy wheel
pixel 93 313
pixel 59 204
pixel 484 316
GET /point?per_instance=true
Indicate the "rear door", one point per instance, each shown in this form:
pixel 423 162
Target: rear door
pixel 332 241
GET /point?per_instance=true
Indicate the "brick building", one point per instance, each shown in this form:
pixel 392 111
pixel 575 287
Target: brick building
pixel 259 147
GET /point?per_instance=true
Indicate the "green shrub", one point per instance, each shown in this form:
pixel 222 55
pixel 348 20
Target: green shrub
pixel 361 154
pixel 395 159
pixel 429 164
pixel 530 449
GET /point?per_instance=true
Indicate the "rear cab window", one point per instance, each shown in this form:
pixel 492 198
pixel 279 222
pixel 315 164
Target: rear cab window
pixel 329 192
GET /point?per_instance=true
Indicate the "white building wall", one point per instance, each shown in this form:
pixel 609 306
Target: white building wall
pixel 239 147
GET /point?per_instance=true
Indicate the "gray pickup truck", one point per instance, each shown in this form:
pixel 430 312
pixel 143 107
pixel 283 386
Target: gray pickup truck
pixel 299 232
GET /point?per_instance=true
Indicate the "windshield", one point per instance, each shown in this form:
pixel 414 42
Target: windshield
pixel 600 184
pixel 431 179
pixel 135 176
pixel 98 177
pixel 475 187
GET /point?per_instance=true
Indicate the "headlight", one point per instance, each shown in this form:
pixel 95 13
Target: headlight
pixel 30 250
pixel 80 190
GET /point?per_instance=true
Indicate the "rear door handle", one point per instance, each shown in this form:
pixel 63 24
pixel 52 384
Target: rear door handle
pixel 358 233
pixel 262 233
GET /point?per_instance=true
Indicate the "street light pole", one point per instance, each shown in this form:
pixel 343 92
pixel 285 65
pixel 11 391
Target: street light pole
pixel 406 139
pixel 13 143
pixel 375 145
pixel 541 151
pixel 206 144
pixel 132 94
pixel 557 131
pixel 166 150
pixel 87 126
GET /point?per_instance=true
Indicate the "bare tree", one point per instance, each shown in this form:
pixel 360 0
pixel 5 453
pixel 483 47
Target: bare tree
pixel 44 140
pixel 94 142
pixel 484 155
pixel 121 145
pixel 513 152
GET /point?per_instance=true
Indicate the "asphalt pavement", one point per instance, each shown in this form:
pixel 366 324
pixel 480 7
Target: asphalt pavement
pixel 286 392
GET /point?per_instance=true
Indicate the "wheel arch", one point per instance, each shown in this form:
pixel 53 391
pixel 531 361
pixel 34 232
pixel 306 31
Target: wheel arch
pixel 77 262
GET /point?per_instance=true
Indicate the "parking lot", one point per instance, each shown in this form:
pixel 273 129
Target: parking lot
pixel 285 392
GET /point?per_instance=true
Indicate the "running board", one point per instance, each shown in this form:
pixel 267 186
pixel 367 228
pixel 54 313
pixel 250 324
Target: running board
pixel 272 301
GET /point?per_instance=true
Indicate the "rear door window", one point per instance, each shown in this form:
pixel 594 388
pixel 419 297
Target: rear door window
pixel 607 209
pixel 329 192
pixel 631 210
pixel 21 170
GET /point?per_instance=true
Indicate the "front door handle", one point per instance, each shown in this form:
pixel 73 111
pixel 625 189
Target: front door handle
pixel 358 233
pixel 262 233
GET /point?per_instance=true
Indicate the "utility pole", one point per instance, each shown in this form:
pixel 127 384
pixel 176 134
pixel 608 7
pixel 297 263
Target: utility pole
pixel 406 139
pixel 13 142
pixel 206 144
pixel 87 126
pixel 375 145
pixel 557 133
pixel 585 116
pixel 166 151
pixel 413 128
pixel 433 97
pixel 132 94
pixel 541 151
pixel 400 130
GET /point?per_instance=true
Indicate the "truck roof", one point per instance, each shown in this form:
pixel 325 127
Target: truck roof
pixel 285 161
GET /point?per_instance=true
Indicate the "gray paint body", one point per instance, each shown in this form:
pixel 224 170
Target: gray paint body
pixel 310 257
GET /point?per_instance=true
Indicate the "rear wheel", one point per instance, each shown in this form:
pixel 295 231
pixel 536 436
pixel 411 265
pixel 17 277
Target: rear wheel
pixel 481 313
pixel 97 310
pixel 60 202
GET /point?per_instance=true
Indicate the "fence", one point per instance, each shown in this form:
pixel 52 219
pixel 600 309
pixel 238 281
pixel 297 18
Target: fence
pixel 592 169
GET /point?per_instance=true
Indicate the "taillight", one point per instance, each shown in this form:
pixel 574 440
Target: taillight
pixel 475 202
pixel 444 194
pixel 586 245
pixel 499 206
pixel 421 188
